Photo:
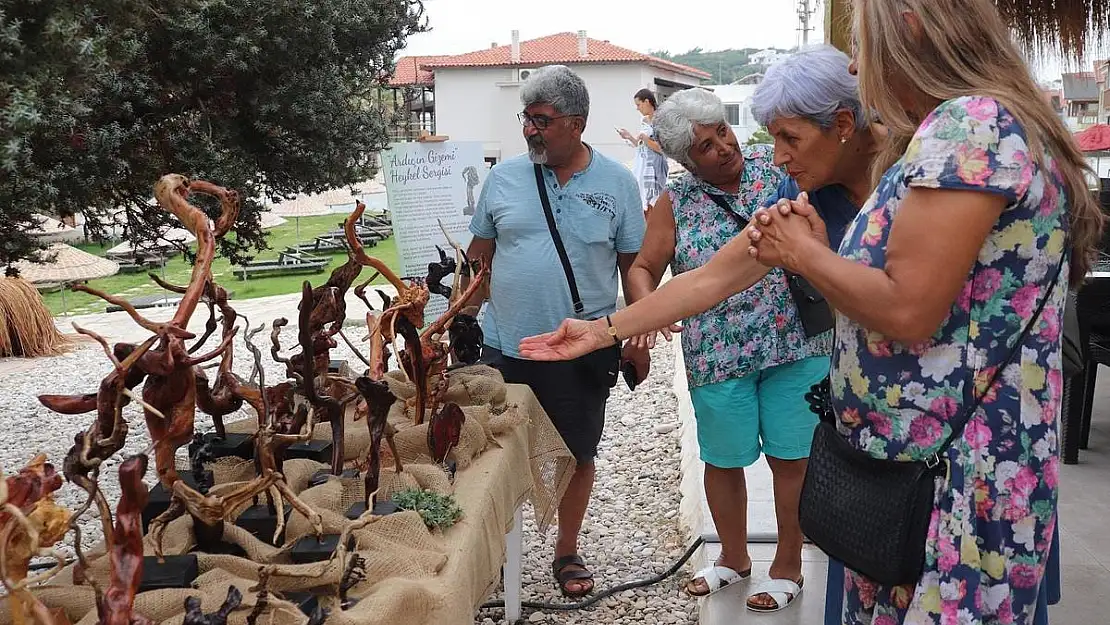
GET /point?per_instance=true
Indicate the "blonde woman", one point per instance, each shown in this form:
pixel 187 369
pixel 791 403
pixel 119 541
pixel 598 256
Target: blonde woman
pixel 980 198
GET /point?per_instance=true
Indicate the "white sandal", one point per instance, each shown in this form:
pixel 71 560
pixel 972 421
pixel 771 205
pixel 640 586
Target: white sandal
pixel 716 577
pixel 782 591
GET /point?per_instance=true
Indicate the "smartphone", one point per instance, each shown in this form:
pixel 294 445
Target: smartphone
pixel 630 375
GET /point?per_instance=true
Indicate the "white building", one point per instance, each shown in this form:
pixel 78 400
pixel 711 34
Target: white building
pixel 766 57
pixel 738 108
pixel 477 95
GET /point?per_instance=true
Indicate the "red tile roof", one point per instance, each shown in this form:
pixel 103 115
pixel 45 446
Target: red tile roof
pixel 560 48
pixel 410 71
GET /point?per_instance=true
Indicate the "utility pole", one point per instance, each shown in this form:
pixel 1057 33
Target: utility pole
pixel 805 14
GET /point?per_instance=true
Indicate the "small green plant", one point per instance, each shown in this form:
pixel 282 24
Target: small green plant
pixel 438 511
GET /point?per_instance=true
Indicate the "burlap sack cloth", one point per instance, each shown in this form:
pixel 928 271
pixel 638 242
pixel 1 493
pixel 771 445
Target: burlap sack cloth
pixel 509 452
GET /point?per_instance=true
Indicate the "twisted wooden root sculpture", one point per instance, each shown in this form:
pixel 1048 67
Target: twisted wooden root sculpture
pixel 272 437
pixel 170 392
pixel 103 438
pixel 216 401
pixel 125 548
pixel 425 356
pixel 194 614
pixel 30 524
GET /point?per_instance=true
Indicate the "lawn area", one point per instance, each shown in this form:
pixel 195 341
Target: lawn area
pixel 178 271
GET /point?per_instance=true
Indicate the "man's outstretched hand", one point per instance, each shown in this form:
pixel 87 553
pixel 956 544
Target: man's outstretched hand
pixel 572 339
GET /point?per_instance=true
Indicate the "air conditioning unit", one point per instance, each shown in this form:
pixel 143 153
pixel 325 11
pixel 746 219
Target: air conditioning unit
pixel 520 75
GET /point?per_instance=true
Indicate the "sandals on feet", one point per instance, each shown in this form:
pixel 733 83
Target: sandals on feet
pixel 559 568
pixel 715 577
pixel 782 591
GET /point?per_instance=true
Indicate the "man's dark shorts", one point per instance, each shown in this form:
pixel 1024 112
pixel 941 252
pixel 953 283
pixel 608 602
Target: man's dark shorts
pixel 575 406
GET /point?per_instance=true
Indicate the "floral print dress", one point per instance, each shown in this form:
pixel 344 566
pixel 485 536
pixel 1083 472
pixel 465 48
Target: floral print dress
pixel 753 330
pixel 994 513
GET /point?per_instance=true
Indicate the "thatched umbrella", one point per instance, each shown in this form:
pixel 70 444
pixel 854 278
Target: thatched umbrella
pixel 171 240
pixel 310 206
pixel 1041 26
pixel 270 220
pixel 48 229
pixel 67 265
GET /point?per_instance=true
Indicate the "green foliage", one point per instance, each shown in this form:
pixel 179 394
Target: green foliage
pixel 99 98
pixel 725 65
pixel 760 136
pixel 438 511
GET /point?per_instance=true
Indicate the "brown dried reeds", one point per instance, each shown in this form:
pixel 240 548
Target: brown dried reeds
pixel 26 325
pixel 1071 28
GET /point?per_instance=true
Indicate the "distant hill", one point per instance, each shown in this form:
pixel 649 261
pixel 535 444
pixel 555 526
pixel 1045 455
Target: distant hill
pixel 725 65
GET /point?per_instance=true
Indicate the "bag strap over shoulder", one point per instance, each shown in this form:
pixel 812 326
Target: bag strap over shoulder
pixel 960 422
pixel 541 185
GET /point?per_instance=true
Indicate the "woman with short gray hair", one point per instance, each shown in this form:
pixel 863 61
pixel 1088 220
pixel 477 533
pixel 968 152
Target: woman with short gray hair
pixel 748 360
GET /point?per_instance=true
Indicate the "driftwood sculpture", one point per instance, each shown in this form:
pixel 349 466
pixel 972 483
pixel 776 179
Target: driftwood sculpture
pixel 219 400
pixel 425 357
pixel 410 299
pixel 194 614
pixel 378 400
pixel 125 548
pixel 30 524
pixel 170 392
pixel 465 338
pixel 210 511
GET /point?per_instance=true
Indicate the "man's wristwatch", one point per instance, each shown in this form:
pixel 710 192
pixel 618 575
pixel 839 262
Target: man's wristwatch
pixel 612 331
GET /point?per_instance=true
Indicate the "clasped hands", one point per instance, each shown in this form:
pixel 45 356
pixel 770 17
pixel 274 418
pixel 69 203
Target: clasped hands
pixel 782 234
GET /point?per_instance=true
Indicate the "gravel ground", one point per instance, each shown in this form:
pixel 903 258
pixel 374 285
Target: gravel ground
pixel 632 530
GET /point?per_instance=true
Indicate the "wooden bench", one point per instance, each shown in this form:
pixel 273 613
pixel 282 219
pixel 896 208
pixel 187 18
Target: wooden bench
pixel 147 301
pixel 288 263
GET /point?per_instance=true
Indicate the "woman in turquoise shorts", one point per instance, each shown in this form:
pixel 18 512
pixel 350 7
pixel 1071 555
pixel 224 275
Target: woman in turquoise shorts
pixel 748 361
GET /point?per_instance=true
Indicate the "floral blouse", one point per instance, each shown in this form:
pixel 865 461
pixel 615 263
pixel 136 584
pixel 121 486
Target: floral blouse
pixel 994 514
pixel 753 330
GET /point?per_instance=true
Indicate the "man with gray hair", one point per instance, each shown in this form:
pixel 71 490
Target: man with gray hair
pixel 561 188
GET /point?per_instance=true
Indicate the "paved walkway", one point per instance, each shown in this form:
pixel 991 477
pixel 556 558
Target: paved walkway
pixel 118 326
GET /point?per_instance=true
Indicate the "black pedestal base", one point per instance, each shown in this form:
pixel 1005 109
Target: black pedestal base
pixel 262 523
pixel 308 549
pixel 175 572
pixel 238 445
pixel 306 601
pixel 318 451
pixel 321 476
pixel 159 499
pixel 381 508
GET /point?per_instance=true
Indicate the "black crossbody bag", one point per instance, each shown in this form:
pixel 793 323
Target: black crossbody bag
pixel 602 367
pixel 872 513
pixel 813 310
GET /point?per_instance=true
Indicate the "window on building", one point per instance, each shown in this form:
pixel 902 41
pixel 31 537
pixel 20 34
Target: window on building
pixel 732 114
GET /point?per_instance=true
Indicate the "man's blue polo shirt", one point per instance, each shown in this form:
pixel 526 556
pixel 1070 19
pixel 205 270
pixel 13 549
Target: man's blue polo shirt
pixel 598 215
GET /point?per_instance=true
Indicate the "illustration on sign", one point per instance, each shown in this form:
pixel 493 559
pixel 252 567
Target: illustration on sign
pixel 428 184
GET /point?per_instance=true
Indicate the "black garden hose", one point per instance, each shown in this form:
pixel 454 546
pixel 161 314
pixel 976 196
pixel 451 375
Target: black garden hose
pixel 609 592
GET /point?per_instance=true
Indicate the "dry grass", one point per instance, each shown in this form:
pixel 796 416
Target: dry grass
pixel 1070 27
pixel 26 325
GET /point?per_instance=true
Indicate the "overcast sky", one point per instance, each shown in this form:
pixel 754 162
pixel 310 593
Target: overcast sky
pixel 644 25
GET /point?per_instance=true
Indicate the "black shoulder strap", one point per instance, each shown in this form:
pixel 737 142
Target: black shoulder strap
pixel 961 421
pixel 541 185
pixel 723 203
